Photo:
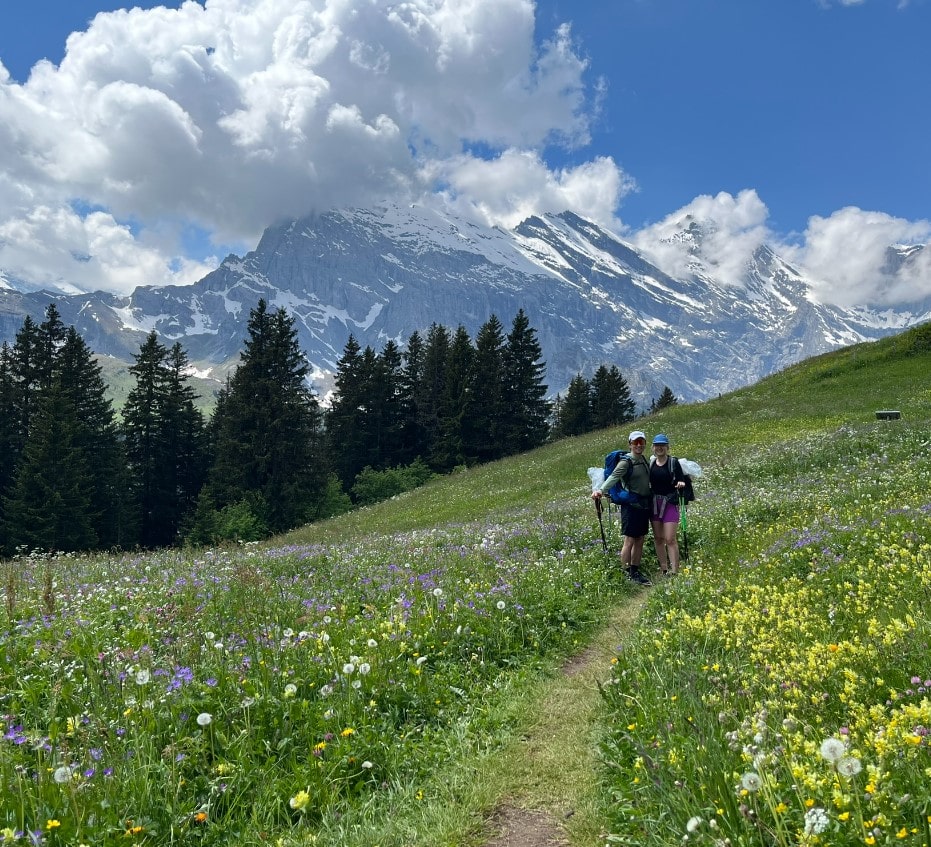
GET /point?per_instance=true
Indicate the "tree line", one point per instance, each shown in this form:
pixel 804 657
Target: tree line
pixel 74 476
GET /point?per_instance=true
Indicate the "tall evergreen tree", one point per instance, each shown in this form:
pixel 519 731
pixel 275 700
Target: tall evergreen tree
pixel 611 400
pixel 487 407
pixel 527 425
pixel 345 419
pixel 666 399
pixel 164 437
pixel 98 438
pixel 390 397
pixel 186 435
pixel 9 437
pixel 575 413
pixel 267 451
pixel 453 401
pixel 50 505
pixel 428 393
pixel 413 436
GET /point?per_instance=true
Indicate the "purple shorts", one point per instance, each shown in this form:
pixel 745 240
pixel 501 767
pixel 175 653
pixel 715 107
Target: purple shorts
pixel 664 511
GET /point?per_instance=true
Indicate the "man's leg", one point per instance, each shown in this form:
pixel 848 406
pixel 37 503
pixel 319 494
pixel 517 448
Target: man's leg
pixel 636 553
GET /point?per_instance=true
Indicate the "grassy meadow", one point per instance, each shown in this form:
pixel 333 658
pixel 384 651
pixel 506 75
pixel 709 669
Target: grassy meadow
pixel 351 683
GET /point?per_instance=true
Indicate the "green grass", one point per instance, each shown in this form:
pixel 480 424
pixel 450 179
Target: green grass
pixel 801 617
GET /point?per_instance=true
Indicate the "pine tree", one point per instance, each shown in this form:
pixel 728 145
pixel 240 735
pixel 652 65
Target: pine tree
pixel 186 435
pixel 98 439
pixel 457 385
pixel 390 397
pixel 666 399
pixel 267 442
pixel 9 439
pixel 413 436
pixel 527 425
pixel 428 393
pixel 575 414
pixel 345 424
pixel 611 400
pixel 50 506
pixel 487 409
pixel 164 436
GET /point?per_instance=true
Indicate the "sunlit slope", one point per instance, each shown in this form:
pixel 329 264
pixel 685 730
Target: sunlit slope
pixel 818 395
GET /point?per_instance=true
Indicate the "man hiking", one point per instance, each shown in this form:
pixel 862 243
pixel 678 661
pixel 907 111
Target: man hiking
pixel 633 474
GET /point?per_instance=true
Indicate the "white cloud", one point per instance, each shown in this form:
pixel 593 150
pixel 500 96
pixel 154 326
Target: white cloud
pixel 233 114
pixel 725 232
pixel 56 248
pixel 850 248
pixel 517 184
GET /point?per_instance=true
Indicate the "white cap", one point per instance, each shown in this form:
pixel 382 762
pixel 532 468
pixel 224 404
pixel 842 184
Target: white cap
pixel 635 435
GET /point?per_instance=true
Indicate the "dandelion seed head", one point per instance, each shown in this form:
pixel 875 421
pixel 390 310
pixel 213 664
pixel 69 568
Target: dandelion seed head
pixel 832 749
pixel 204 719
pixel 848 766
pixel 62 774
pixel 751 781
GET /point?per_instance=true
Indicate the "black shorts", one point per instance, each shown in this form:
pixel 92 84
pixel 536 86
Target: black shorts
pixel 635 522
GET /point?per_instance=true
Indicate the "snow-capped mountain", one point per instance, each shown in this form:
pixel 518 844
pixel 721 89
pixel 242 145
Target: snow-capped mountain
pixel 382 273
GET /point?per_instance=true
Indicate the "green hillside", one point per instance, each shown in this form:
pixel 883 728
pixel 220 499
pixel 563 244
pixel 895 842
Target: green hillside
pixel 372 680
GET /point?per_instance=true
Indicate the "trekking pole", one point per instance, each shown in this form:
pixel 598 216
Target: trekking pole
pixel 684 512
pixel 601 526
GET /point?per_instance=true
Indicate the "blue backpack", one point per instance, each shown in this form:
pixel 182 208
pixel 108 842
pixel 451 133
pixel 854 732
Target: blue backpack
pixel 618 494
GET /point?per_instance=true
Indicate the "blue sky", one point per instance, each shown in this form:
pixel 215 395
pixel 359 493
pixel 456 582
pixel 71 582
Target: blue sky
pixel 160 138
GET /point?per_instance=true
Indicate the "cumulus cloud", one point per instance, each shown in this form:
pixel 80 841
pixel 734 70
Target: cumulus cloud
pixel 233 114
pixel 714 235
pixel 66 251
pixel 849 259
pixel 506 190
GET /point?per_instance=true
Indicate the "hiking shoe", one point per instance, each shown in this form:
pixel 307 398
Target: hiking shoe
pixel 634 575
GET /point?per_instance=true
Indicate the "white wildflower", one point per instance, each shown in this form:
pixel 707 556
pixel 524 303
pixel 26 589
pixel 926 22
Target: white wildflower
pixel 751 781
pixel 832 749
pixel 816 821
pixel 848 766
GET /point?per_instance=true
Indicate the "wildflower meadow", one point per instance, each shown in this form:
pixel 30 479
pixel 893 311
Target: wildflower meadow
pixel 254 695
pixel 336 686
pixel 779 691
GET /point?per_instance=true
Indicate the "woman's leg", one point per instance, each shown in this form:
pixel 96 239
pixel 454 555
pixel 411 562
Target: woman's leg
pixel 671 541
pixel 659 542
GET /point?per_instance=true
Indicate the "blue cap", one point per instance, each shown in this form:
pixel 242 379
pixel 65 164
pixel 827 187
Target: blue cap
pixel 661 439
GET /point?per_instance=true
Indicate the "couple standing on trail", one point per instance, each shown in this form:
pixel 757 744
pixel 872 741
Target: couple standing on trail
pixel 658 484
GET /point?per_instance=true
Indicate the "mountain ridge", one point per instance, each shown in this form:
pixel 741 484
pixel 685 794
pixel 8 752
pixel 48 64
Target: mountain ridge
pixel 383 273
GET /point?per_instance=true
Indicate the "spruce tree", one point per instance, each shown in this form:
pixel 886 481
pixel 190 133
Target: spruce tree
pixel 345 423
pixel 611 400
pixel 527 424
pixel 50 506
pixel 413 436
pixel 389 396
pixel 453 400
pixel 575 413
pixel 98 439
pixel 164 435
pixel 267 442
pixel 428 393
pixel 487 408
pixel 186 437
pixel 666 399
pixel 9 439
